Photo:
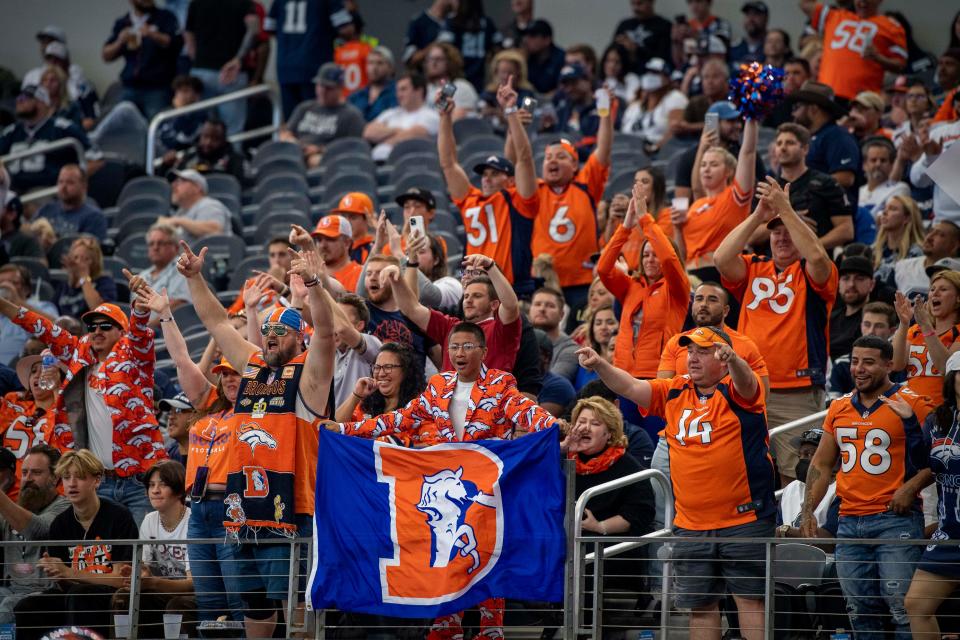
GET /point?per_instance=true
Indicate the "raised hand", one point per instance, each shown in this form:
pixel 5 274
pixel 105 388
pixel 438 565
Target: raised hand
pixel 899 406
pixel 389 275
pixel 775 197
pixel 416 243
pixel 923 315
pixel 725 353
pixel 478 261
pixel 364 387
pixel 300 237
pixel 190 265
pixel 904 309
pixel 506 94
pixel 252 295
pixel 266 281
pixel 159 303
pixel 134 282
pixel 588 358
pixel 300 267
pixel 393 239
pixel 297 289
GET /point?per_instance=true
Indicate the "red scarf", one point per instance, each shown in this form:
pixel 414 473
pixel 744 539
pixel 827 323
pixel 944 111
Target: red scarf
pixel 598 463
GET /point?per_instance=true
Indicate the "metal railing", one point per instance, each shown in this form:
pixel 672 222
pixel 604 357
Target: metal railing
pixel 47 147
pixel 203 105
pixel 793 425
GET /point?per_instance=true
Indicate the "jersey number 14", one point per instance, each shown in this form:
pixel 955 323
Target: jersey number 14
pixel 697 428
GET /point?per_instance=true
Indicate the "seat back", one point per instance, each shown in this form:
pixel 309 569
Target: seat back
pixel 797 564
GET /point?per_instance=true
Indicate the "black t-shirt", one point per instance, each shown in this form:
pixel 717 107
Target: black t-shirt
pixel 652 36
pixel 112 522
pixel 150 66
pixel 844 330
pixel 682 177
pixel 821 196
pixel 218 27
pixel 393 326
pixel 634 503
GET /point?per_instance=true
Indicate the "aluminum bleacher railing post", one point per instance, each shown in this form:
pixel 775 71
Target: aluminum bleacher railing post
pixel 768 613
pixel 292 579
pixel 597 590
pixel 203 105
pixel 800 422
pixel 570 572
pixel 38 149
pixel 134 607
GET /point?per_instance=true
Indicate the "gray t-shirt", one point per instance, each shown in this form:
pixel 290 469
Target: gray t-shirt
pixel 565 362
pixel 351 365
pixel 20 569
pixel 205 209
pixel 313 123
pixel 170 279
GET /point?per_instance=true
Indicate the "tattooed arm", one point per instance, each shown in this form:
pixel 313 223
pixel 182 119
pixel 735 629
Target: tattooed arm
pixel 818 479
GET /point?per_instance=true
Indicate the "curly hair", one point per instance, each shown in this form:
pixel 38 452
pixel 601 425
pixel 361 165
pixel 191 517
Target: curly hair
pixel 412 385
pixel 607 413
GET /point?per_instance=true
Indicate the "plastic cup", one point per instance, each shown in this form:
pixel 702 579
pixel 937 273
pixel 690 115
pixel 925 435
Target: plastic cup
pixel 121 625
pixel 171 625
pixel 681 204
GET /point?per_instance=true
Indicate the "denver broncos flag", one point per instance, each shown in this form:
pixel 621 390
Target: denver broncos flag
pixel 420 533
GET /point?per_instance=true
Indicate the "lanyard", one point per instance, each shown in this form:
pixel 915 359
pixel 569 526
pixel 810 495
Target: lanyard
pixel 213 439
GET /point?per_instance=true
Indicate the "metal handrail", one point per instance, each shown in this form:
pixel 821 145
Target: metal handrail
pixel 47 147
pixel 578 562
pixel 799 422
pixel 38 194
pixel 242 94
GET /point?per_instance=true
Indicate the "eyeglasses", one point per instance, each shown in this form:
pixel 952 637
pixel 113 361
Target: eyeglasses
pixel 386 368
pixel 103 326
pixel 916 96
pixel 466 347
pixel 278 330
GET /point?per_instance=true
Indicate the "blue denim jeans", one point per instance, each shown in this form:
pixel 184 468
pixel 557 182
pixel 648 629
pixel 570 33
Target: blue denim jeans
pixel 875 578
pixel 233 114
pixel 149 101
pixel 129 492
pixel 214 567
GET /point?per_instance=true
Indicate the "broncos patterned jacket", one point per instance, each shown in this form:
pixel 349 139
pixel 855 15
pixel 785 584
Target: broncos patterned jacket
pixel 496 409
pixel 126 381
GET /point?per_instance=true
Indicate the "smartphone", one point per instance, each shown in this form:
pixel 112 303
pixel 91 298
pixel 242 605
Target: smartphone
pixel 711 121
pixel 529 104
pixel 446 93
pixel 199 487
pixel 680 204
pixel 416 226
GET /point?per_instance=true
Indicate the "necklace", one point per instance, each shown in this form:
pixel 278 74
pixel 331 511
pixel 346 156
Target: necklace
pixel 183 511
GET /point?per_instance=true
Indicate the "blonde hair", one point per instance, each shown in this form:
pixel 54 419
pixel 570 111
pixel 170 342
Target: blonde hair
pixel 83 462
pixel 516 57
pixel 912 235
pixel 729 160
pixel 607 413
pixel 61 75
pixel 42 230
pixel 96 253
pixel 953 277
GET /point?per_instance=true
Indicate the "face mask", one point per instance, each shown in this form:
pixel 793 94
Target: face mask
pixel 801 470
pixel 651 81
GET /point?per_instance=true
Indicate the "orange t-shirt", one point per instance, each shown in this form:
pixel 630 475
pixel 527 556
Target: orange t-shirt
pixel 269 299
pixel 788 314
pixel 674 357
pixel 875 444
pixel 207 444
pixel 711 219
pixel 845 36
pixel 352 58
pixel 923 378
pixel 720 465
pixel 946 112
pixel 566 224
pixel 500 226
pixel 631 250
pixel 348 275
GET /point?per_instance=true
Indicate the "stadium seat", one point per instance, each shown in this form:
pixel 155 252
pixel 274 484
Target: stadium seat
pixel 346 146
pixel 133 250
pixel 454 244
pixel 347 182
pixel 145 185
pixel 106 184
pixel 334 173
pixel 444 221
pixel 359 162
pixel 142 204
pixel 279 182
pixel 219 184
pixel 223 252
pixel 283 201
pixel 114 265
pixel 415 163
pixel 280 164
pixel 466 128
pixel 622 182
pixel 58 250
pixel 628 159
pixel 424 180
pixel 37 267
pixel 480 145
pixel 275 149
pixel 799 564
pixel 46 291
pixel 277 223
pixel 413 145
pixel 195 339
pixel 245 269
pixel 186 317
pixel 135 226
pixel 227 298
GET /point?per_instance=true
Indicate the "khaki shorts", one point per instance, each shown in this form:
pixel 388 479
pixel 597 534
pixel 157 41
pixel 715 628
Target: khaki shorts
pixel 784 407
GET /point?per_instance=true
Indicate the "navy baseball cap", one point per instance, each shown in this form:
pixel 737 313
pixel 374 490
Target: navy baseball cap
pixel 571 72
pixel 538 28
pixel 497 163
pixel 725 110
pixel 329 75
pixel 756 6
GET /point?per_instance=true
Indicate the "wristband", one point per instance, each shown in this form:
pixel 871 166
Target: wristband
pixel 312 283
pixel 603 528
pixel 413 264
pixel 166 319
pixel 509 111
pixel 357 396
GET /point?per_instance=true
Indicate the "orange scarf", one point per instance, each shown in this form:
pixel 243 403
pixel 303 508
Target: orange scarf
pixel 598 463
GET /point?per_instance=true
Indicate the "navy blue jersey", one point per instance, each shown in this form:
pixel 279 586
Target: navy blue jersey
pixel 39 170
pixel 945 465
pixel 423 30
pixel 475 46
pixel 305 30
pixel 150 66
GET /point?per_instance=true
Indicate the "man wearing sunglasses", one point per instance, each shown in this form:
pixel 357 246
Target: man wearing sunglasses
pixel 271 463
pixel 107 400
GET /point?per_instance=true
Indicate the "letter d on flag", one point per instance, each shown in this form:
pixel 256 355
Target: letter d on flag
pixel 421 533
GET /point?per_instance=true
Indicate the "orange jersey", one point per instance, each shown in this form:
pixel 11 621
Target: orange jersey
pixel 566 224
pixel 23 426
pixel 348 275
pixel 711 219
pixel 634 245
pixel 923 378
pixel 268 300
pixel 674 357
pixel 652 311
pixel 845 36
pixel 720 464
pixel 946 112
pixel 352 58
pixel 788 314
pixel 500 226
pixel 876 448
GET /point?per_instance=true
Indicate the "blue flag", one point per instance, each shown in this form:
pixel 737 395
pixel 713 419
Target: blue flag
pixel 421 533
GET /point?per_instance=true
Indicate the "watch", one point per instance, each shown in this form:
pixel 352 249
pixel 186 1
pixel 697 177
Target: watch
pixel 412 263
pixel 783 530
pixel 509 111
pixel 81 282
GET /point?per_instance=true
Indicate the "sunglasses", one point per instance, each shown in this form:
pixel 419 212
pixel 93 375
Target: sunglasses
pixel 103 326
pixel 278 330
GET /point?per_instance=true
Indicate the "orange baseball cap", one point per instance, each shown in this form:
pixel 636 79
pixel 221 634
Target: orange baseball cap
pixel 224 367
pixel 705 337
pixel 333 226
pixel 355 203
pixel 111 312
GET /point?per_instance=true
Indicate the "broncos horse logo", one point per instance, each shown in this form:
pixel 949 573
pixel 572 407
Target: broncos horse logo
pixel 445 497
pixel 255 436
pixel 234 510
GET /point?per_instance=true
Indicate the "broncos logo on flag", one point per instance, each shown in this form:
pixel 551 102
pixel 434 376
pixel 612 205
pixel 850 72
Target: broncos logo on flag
pixel 445 498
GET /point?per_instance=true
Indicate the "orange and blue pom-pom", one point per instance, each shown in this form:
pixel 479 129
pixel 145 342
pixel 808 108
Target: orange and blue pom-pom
pixel 756 90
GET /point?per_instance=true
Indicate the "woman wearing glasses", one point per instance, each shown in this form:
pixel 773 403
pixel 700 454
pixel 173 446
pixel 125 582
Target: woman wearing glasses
pixel 397 379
